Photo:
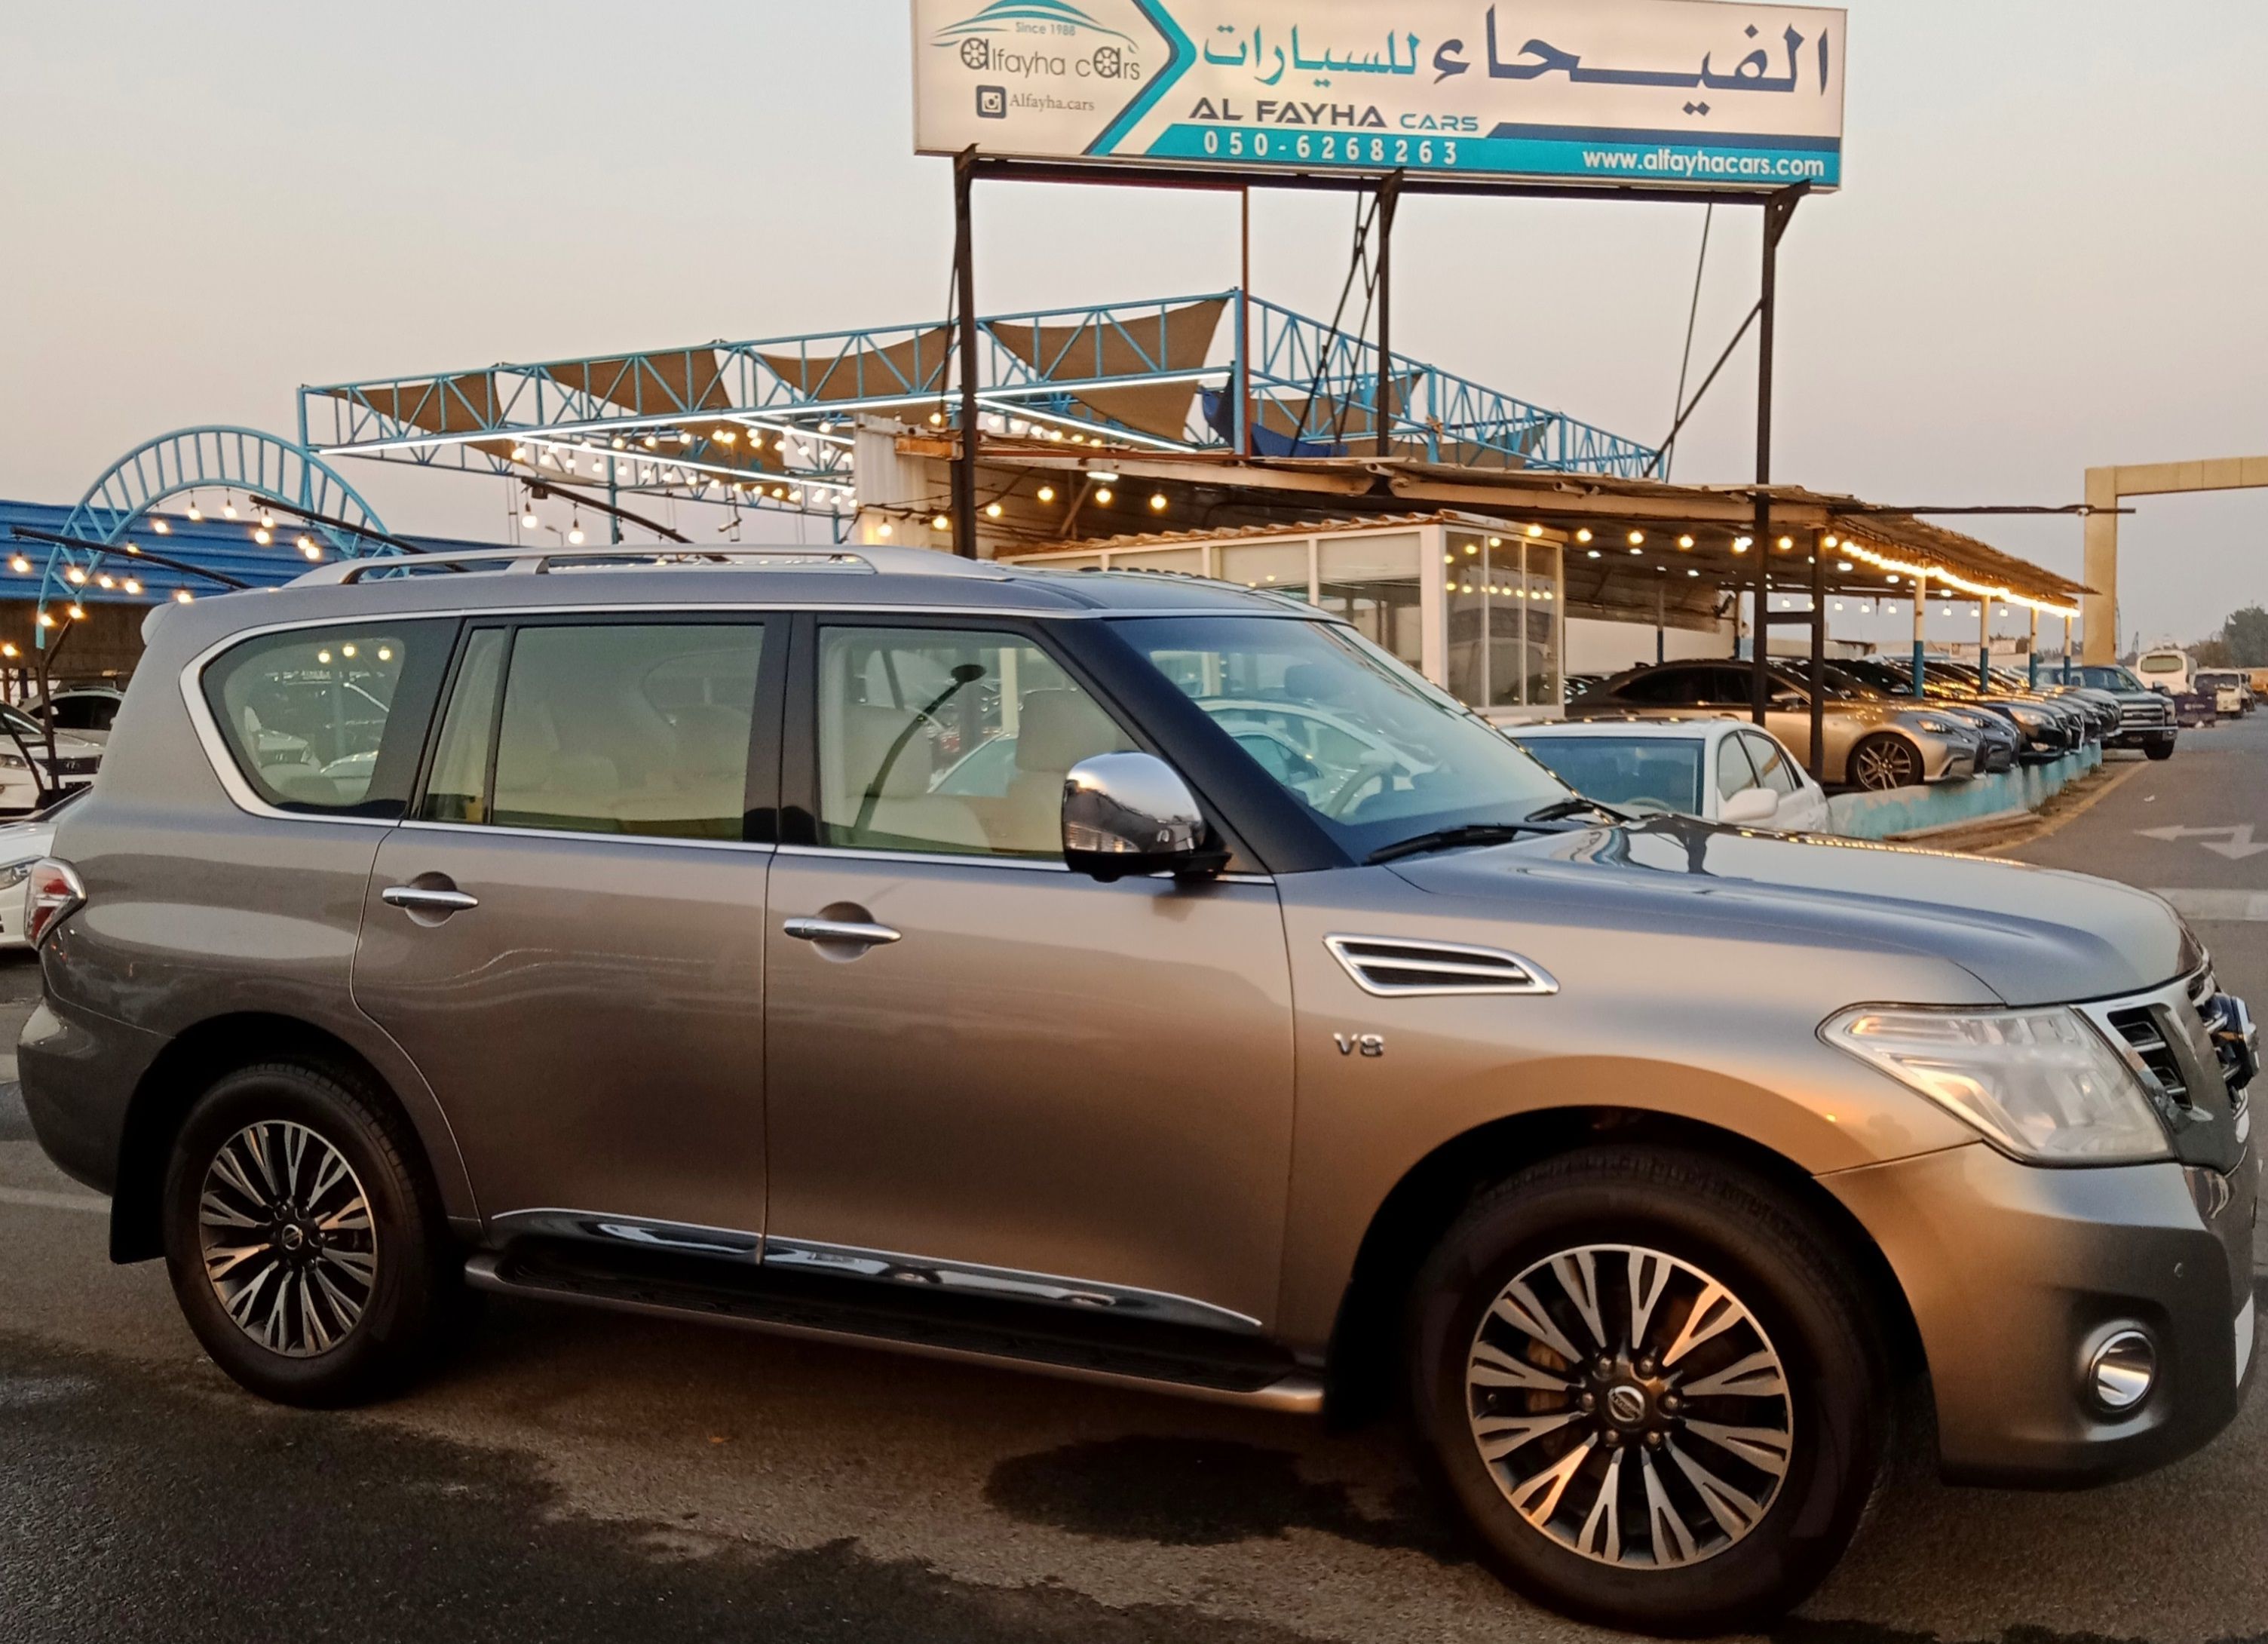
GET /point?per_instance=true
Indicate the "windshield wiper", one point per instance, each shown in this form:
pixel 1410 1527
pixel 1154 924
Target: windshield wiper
pixel 1566 810
pixel 1460 838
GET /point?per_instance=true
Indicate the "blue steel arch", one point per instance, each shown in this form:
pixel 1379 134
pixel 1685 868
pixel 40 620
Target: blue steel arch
pixel 262 466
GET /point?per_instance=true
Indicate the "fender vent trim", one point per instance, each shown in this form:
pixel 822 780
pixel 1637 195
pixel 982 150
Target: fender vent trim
pixel 1396 967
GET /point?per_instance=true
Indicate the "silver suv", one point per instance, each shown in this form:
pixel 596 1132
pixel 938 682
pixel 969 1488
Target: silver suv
pixel 1139 980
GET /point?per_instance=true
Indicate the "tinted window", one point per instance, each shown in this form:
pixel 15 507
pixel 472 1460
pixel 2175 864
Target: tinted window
pixel 457 791
pixel 1773 766
pixel 641 729
pixel 86 713
pixel 1640 772
pixel 1664 688
pixel 330 721
pixel 949 742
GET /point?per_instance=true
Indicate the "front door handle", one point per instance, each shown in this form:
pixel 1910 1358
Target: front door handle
pixel 418 899
pixel 843 933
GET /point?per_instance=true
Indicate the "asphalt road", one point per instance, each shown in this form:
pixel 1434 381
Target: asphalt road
pixel 575 1477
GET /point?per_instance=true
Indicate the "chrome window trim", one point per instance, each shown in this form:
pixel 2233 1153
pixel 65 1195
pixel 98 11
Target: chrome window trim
pixel 1539 984
pixel 1015 1284
pixel 594 1226
pixel 420 825
pixel 916 859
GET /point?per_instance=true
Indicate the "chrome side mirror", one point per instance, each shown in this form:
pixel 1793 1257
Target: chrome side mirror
pixel 1126 815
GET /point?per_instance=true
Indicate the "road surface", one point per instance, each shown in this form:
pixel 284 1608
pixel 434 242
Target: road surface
pixel 576 1476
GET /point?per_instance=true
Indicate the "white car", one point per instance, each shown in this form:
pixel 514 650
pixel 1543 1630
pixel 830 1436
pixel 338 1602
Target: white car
pixel 1721 770
pixel 23 753
pixel 22 844
pixel 86 711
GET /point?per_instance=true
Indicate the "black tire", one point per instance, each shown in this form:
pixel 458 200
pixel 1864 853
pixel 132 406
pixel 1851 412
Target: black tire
pixel 1884 762
pixel 2160 751
pixel 1799 1296
pixel 309 1352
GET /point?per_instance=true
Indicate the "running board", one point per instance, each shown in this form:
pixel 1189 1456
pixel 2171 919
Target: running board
pixel 996 1336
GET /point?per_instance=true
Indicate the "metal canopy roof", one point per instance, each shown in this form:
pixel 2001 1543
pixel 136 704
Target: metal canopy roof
pixel 1634 544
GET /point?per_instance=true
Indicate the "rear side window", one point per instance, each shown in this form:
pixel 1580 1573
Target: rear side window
pixel 330 721
pixel 643 729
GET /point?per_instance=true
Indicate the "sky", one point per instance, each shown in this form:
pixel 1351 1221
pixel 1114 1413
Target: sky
pixel 2051 251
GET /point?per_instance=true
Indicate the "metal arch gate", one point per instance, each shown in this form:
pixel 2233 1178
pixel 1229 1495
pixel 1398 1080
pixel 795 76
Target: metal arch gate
pixel 261 464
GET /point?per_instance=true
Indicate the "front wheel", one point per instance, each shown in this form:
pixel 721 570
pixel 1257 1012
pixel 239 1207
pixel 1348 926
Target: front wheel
pixel 1648 1382
pixel 307 1246
pixel 1882 763
pixel 2161 750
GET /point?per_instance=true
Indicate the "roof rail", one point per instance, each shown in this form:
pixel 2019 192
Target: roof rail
pixel 542 561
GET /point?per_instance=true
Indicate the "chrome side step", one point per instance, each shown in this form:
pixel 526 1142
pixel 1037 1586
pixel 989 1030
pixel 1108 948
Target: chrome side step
pixel 996 1337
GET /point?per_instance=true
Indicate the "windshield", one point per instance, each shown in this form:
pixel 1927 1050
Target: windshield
pixel 1638 773
pixel 2106 679
pixel 1374 754
pixel 2222 681
pixel 2164 664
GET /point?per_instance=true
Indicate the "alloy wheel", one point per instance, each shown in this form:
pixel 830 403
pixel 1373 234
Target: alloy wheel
pixel 1886 764
pixel 287 1237
pixel 1629 1407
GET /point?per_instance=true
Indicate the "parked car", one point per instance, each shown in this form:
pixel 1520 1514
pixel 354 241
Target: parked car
pixel 1868 744
pixel 2231 689
pixel 1716 769
pixel 646 968
pixel 86 712
pixel 22 845
pixel 29 775
pixel 2001 744
pixel 2048 732
pixel 2168 670
pixel 2147 722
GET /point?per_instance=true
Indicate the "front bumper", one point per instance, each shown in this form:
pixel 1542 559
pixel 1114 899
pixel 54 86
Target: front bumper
pixel 2011 1271
pixel 2138 738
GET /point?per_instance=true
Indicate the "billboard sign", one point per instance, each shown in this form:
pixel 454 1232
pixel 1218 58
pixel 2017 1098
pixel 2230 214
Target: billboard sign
pixel 1693 93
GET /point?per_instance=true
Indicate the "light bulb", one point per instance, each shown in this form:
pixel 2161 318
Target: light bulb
pixel 1104 496
pixel 104 581
pixel 575 535
pixel 228 510
pixel 78 613
pixel 161 527
pixel 263 537
pixel 385 653
pixel 346 650
pixel 196 514
pixel 1583 536
pixel 47 619
pixel 133 587
pixel 1158 503
pixel 885 530
pixel 994 511
pixel 1047 493
pixel 1535 531
pixel 75 575
pixel 20 564
pixel 182 596
pixel 527 520
pixel 1685 541
pixel 940 524
pixel 1637 537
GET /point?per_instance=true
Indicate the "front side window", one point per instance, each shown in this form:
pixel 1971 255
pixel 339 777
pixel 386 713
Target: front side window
pixel 330 721
pixel 1772 763
pixel 636 729
pixel 951 742
pixel 1735 774
pixel 1374 753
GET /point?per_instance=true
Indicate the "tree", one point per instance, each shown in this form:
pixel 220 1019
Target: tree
pixel 2246 636
pixel 2214 652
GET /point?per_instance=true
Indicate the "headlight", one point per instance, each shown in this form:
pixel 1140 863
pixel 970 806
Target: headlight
pixel 15 873
pixel 1938 728
pixel 2040 1084
pixel 14 761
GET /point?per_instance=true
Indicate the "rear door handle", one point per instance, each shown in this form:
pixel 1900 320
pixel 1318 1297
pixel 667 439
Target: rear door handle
pixel 846 932
pixel 417 899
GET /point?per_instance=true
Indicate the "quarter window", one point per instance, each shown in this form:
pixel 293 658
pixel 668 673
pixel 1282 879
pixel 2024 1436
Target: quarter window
pixel 949 743
pixel 329 721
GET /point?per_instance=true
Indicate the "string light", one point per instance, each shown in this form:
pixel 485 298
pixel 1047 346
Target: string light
pixel 133 586
pixel 1158 503
pixel 940 524
pixel 1105 496
pixel 575 534
pixel 196 514
pixel 20 564
pixel 1636 538
pixel 1584 535
pixel 77 613
pixel 161 527
pixel 885 530
pixel 1883 561
pixel 994 511
pixel 1686 543
pixel 263 537
pixel 182 596
pixel 1047 493
pixel 75 575
pixel 1535 531
pixel 228 508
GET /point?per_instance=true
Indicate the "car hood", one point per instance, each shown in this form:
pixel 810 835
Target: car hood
pixel 2033 936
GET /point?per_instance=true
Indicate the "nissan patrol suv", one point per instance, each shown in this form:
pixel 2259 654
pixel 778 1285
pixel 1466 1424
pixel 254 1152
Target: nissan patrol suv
pixel 1133 979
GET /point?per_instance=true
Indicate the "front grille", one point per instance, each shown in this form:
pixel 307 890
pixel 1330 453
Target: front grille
pixel 86 767
pixel 2221 1029
pixel 2142 1030
pixel 1393 968
pixel 2134 713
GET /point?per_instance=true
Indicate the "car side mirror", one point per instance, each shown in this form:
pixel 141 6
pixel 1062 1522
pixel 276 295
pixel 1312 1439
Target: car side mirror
pixel 1748 806
pixel 1128 815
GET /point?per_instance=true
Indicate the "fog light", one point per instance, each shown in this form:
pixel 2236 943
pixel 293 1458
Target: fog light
pixel 2121 1372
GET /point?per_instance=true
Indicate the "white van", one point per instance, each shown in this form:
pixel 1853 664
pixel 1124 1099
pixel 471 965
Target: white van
pixel 2170 671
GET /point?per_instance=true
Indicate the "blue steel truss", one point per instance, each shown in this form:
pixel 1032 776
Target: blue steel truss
pixel 768 424
pixel 217 459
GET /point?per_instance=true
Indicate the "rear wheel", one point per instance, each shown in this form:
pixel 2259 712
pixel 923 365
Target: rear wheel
pixel 1649 1383
pixel 307 1249
pixel 1882 763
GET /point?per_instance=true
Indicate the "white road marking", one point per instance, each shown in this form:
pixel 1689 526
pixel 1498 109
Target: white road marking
pixel 2238 839
pixel 2220 907
pixel 32 1198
